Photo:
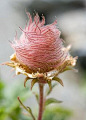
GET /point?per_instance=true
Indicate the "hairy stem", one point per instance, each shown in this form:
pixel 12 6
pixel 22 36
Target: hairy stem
pixel 41 86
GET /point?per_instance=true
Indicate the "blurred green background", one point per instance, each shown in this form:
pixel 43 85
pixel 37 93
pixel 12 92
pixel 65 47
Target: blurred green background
pixel 71 16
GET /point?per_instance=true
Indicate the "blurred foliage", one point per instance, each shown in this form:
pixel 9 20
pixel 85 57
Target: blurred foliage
pixel 83 83
pixel 55 113
pixel 10 106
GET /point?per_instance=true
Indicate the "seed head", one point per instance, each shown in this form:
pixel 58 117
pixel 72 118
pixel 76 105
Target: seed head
pixel 40 46
pixel 40 50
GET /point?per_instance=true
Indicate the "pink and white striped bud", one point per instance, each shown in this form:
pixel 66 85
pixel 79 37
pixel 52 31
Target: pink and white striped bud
pixel 40 46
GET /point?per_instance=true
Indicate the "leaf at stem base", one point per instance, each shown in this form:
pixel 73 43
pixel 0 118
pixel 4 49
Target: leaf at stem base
pixel 52 100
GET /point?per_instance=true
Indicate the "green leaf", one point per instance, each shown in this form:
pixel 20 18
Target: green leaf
pixel 58 80
pixel 33 82
pixel 51 100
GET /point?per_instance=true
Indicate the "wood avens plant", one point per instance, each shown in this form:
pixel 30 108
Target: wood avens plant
pixel 41 57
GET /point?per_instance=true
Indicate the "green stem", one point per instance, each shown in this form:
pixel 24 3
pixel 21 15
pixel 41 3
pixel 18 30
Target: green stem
pixel 27 109
pixel 41 86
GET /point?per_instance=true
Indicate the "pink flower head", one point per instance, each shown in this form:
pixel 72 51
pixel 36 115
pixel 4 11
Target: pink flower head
pixel 40 46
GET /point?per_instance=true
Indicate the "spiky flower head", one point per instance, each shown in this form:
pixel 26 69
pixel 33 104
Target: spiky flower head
pixel 40 51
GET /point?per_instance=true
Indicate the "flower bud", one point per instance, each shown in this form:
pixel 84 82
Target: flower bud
pixel 40 47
